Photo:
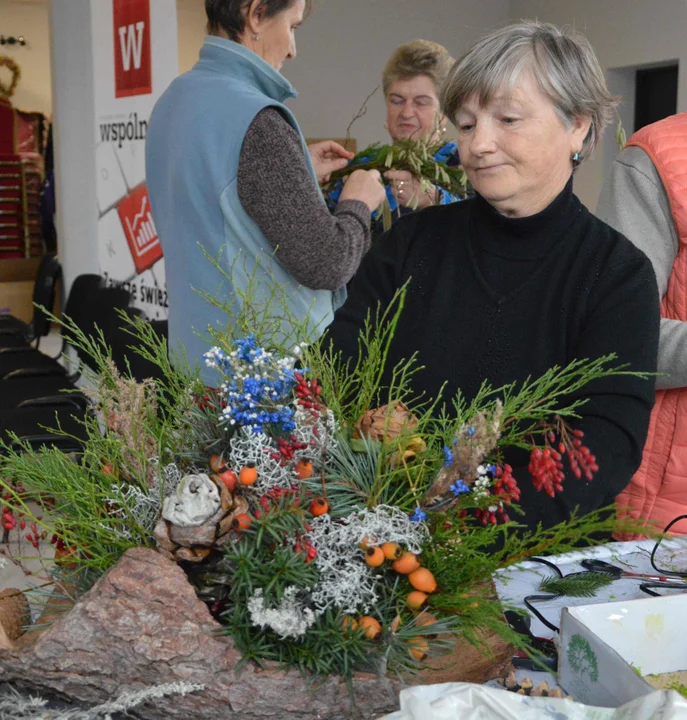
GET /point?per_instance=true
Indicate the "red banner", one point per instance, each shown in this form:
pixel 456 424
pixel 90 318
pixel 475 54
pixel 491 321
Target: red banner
pixel 132 52
pixel 139 228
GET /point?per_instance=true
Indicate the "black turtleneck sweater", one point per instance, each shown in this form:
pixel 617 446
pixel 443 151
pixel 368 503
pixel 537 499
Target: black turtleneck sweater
pixel 503 299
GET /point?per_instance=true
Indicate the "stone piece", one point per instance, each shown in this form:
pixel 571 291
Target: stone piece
pixel 141 625
pixel 195 501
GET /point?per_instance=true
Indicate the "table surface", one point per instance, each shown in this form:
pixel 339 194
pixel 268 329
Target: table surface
pixel 514 584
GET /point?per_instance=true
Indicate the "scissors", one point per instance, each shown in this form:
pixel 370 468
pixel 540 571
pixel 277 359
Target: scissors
pixel 599 566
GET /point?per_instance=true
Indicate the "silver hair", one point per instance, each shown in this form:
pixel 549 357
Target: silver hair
pixel 561 60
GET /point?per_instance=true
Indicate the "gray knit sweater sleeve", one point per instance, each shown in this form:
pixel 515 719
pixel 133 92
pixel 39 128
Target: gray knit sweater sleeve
pixel 634 202
pixel 322 251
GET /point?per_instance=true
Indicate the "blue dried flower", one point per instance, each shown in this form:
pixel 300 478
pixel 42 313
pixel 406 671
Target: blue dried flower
pixel 418 515
pixel 448 457
pixel 459 487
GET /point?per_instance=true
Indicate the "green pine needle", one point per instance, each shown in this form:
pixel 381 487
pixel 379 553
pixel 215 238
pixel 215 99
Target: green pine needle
pixel 585 584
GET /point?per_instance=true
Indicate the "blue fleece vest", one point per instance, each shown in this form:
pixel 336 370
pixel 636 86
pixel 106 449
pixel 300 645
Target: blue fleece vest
pixel 193 147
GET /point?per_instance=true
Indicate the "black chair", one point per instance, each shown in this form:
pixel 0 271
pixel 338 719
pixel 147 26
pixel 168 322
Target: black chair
pixel 19 362
pixel 15 332
pixel 91 306
pixel 30 388
pixel 35 425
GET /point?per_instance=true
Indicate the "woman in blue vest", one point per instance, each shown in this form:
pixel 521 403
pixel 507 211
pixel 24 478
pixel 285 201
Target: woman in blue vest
pixel 229 175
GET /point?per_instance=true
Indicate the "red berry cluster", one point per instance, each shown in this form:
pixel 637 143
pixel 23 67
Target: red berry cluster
pixel 302 544
pixel 35 537
pixel 582 462
pixel 546 469
pixel 505 485
pixel 308 393
pixel 286 449
pixel 546 464
pixel 211 400
pixel 58 543
pixel 505 492
pixel 275 494
pixel 9 521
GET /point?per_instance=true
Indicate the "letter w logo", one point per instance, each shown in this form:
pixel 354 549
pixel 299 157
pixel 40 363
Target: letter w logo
pixel 132 47
pixel 131 43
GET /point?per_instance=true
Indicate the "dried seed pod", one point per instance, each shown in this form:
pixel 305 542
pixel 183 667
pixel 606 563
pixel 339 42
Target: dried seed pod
pixel 248 474
pixel 304 469
pixel 417 600
pixel 14 612
pixel 374 557
pixel 319 506
pixel 241 522
pixel 371 627
pixel 406 564
pixel 349 623
pixel 392 551
pixel 419 647
pixel 422 579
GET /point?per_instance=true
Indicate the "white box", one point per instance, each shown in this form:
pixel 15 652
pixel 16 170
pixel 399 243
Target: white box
pixel 605 649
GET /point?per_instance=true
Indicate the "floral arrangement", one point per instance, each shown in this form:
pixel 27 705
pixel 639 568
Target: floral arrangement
pixel 436 164
pixel 329 523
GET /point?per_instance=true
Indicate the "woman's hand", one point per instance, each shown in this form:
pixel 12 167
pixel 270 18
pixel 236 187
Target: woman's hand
pixel 407 188
pixel 364 185
pixel 328 156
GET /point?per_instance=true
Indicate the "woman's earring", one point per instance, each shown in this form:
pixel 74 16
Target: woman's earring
pixel 256 36
pixel 576 157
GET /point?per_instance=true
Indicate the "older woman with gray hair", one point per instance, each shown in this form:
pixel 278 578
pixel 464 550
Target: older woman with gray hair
pixel 522 277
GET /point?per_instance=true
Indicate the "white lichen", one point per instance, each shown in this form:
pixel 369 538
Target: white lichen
pixel 291 618
pixel 250 448
pixel 318 431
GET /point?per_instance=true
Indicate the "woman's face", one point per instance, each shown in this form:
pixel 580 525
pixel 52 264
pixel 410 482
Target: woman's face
pixel 276 41
pixel 412 108
pixel 516 150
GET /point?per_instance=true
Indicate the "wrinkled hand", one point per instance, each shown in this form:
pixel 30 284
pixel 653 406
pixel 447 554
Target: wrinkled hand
pixel 408 189
pixel 366 186
pixel 328 156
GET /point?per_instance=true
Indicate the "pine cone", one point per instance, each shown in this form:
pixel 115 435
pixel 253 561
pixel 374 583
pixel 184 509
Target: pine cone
pixel 14 612
pixel 385 423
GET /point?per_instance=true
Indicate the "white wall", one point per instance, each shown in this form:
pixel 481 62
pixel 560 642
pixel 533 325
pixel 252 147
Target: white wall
pixel 623 33
pixel 30 19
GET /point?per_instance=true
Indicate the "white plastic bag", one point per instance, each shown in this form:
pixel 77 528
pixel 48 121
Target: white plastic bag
pixel 465 701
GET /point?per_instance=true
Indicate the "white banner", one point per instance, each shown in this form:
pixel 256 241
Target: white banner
pixel 134 60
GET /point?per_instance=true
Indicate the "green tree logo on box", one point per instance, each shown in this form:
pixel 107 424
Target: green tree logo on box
pixel 582 658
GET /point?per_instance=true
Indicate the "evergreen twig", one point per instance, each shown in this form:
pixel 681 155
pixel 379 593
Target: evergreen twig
pixel 584 584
